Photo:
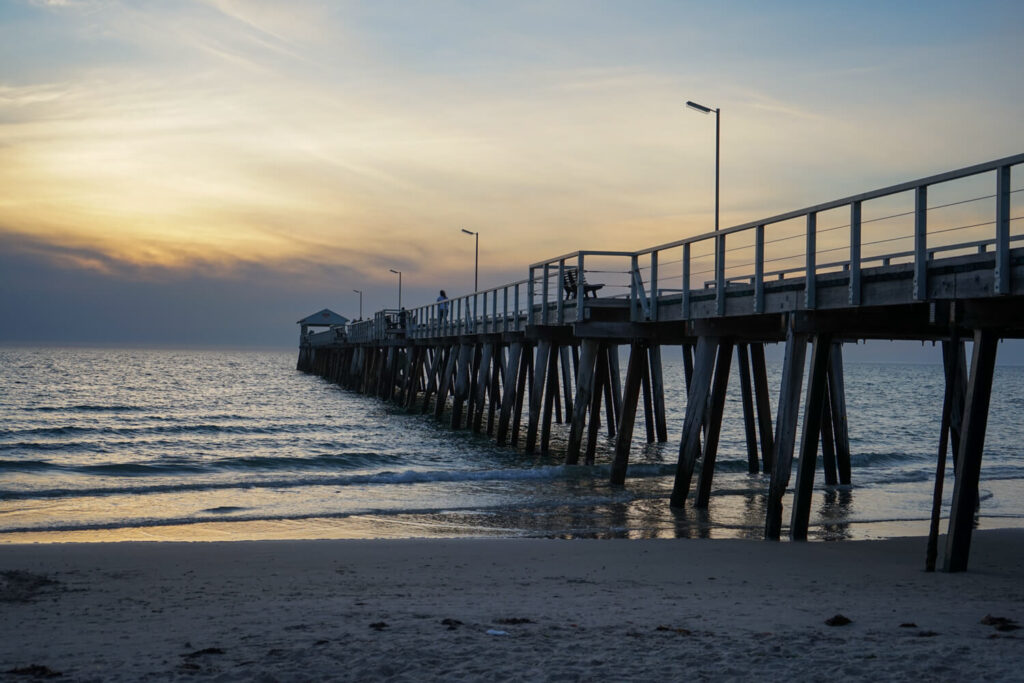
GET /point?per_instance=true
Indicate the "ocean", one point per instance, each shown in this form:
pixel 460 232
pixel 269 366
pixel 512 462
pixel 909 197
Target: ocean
pixel 106 444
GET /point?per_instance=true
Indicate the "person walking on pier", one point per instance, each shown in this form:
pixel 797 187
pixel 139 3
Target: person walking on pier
pixel 442 306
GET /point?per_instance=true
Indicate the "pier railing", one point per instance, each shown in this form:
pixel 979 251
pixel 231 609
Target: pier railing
pixel 968 210
pixel 860 231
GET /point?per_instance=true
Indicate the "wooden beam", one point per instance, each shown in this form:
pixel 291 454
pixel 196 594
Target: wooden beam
pixel 627 416
pixel 972 444
pixel 550 400
pixel 522 386
pixel 600 383
pixel 658 389
pixel 508 399
pixel 483 378
pixel 747 399
pixel 584 389
pixel 565 360
pixel 813 411
pixel 645 384
pixel 785 430
pixel 718 391
pixel 837 408
pixel 940 463
pixel 498 373
pixel 461 384
pixel 696 403
pixel 537 394
pixel 828 442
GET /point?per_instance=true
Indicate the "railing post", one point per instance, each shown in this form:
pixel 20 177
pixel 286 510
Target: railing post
pixel 504 309
pixel 654 286
pixel 581 291
pixel 686 282
pixel 494 310
pixel 921 243
pixel 1002 274
pixel 544 294
pixel 720 273
pixel 530 288
pixel 759 269
pixel 560 306
pixel 855 254
pixel 515 297
pixel 634 295
pixel 810 295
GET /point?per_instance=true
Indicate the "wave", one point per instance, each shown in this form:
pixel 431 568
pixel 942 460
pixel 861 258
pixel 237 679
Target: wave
pixel 88 408
pixel 405 477
pixel 202 428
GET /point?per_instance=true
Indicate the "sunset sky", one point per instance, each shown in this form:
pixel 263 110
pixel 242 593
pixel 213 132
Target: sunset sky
pixel 208 172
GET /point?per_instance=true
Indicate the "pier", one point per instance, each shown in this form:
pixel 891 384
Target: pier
pixel 933 259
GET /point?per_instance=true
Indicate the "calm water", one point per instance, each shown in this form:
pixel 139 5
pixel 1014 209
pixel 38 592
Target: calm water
pixel 118 444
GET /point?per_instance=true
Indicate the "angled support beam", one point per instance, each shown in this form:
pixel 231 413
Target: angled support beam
pixel 785 430
pixel 718 390
pixel 508 400
pixel 813 411
pixel 627 416
pixel 747 398
pixel 584 390
pixel 696 404
pixel 537 394
pixel 972 444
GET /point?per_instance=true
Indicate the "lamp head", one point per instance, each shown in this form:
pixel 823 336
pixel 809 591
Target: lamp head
pixel 468 232
pixel 396 272
pixel 698 107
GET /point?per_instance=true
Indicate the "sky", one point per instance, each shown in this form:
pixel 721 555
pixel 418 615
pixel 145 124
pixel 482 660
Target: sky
pixel 207 172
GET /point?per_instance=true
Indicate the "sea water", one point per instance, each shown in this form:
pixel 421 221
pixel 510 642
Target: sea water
pixel 102 444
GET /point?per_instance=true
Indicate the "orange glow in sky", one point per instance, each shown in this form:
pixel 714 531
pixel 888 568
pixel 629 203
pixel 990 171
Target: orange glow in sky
pixel 209 135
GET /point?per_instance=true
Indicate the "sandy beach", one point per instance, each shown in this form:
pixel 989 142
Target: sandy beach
pixel 486 609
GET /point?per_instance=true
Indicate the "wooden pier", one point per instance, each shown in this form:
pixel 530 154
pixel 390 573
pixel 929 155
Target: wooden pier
pixel 514 359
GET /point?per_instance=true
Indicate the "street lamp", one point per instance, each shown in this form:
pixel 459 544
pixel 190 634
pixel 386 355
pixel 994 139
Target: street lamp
pixel 360 293
pixel 399 274
pixel 718 113
pixel 476 261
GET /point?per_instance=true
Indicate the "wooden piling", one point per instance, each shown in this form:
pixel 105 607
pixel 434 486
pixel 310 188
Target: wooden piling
pixel 837 407
pixel 785 430
pixel 645 385
pixel 948 359
pixel 972 443
pixel 483 380
pixel 627 416
pixel 696 403
pixel 813 411
pixel 601 381
pixel 508 399
pixel 550 400
pixel 717 401
pixel 747 399
pixel 537 394
pixel 763 403
pixel 584 389
pixel 658 391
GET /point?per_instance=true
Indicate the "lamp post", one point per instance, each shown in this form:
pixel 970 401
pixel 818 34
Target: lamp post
pixel 476 260
pixel 360 293
pixel 718 120
pixel 399 274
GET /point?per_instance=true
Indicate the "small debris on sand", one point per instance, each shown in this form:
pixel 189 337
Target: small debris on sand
pixel 838 620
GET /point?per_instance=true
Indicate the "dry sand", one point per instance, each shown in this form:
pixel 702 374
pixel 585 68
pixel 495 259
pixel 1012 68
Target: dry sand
pixel 485 609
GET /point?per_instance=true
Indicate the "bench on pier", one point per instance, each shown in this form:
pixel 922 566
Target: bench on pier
pixel 571 280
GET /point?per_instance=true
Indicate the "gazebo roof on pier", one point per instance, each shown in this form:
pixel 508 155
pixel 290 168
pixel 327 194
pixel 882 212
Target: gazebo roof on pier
pixel 323 318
